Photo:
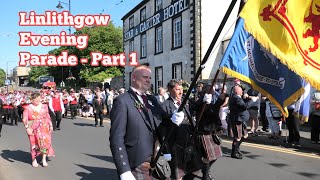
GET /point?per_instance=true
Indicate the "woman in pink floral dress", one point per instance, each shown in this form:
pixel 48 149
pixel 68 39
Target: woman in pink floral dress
pixel 38 125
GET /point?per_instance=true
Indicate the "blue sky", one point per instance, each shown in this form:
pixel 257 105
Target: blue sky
pixel 9 20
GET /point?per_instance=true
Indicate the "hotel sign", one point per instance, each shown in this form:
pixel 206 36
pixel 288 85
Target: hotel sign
pixel 163 15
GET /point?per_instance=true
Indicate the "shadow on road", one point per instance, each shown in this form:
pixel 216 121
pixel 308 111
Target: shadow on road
pixel 16 155
pixel 104 158
pixel 97 173
pixel 83 124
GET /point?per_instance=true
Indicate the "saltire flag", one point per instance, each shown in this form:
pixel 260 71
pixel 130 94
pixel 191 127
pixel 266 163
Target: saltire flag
pixel 246 60
pixel 290 30
pixel 302 106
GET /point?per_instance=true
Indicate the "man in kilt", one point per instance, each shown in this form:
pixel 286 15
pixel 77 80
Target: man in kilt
pixel 208 132
pixel 134 119
pixel 237 118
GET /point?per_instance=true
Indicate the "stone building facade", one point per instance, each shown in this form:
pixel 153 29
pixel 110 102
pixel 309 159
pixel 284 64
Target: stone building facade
pixel 172 37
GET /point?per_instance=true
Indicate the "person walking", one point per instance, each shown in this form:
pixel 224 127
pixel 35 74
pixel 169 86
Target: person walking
pixel 134 119
pixel 56 107
pixel 38 126
pixel 98 107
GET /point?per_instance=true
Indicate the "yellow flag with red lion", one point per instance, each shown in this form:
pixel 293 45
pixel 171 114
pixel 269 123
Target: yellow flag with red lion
pixel 290 30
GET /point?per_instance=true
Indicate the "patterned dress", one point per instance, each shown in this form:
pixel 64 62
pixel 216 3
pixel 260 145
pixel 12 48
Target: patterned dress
pixel 39 121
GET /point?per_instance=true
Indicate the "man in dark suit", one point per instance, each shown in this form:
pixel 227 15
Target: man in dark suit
pixel 98 106
pixel 237 117
pixel 181 135
pixel 134 119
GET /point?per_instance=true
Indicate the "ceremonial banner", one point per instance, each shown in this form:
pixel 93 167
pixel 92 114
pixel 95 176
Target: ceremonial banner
pixel 290 30
pixel 247 60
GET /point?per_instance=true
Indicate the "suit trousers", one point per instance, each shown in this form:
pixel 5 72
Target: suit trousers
pixel 56 119
pixel 99 115
pixel 73 109
pixel 293 127
pixel 315 127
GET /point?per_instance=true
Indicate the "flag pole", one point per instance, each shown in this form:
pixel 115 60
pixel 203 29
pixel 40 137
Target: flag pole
pixel 193 83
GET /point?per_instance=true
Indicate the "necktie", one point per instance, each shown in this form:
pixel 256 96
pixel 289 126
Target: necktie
pixel 145 100
pixel 178 103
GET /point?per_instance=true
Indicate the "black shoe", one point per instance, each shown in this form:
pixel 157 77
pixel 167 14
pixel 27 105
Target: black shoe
pixel 16 124
pixel 101 126
pixel 95 125
pixel 236 156
pixel 58 128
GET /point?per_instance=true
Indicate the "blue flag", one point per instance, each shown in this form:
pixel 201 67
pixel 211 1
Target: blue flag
pixel 302 106
pixel 246 60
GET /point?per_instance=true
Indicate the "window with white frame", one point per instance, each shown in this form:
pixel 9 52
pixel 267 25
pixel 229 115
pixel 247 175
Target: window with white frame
pixel 143 46
pixel 158 5
pixel 177 71
pixel 159 40
pixel 131 45
pixel 143 14
pixel 131 22
pixel 177 32
pixel 158 77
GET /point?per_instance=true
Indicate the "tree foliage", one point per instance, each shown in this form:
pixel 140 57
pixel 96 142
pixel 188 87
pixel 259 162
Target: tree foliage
pixel 104 39
pixel 35 72
pixel 2 77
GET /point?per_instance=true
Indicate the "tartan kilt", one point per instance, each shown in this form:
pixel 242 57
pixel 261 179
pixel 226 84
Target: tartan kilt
pixel 237 129
pixel 210 149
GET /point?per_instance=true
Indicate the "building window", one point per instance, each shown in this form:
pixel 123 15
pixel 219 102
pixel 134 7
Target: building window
pixel 131 22
pixel 143 46
pixel 177 71
pixel 159 40
pixel 158 78
pixel 131 45
pixel 143 14
pixel 158 5
pixel 177 32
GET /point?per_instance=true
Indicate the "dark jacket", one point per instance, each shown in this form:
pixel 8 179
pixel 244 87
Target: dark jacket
pixel 238 109
pixel 98 107
pixel 131 132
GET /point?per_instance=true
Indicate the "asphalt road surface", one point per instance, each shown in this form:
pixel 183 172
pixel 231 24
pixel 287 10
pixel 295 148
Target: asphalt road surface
pixel 82 152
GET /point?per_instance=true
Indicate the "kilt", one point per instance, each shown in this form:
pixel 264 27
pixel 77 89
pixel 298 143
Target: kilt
pixel 210 149
pixel 237 130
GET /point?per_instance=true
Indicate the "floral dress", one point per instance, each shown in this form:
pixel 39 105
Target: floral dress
pixel 39 121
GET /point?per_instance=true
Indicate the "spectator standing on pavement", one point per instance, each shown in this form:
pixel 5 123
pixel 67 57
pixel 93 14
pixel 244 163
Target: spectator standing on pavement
pixel 38 126
pixel 293 124
pixel 162 95
pixel 263 118
pixel 134 119
pixel 315 117
pixel 253 111
pixel 98 107
pixel 274 117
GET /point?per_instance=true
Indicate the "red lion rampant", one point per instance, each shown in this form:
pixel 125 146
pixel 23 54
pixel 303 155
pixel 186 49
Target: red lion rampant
pixel 314 32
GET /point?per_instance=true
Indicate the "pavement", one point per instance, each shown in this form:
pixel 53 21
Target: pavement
pixel 305 141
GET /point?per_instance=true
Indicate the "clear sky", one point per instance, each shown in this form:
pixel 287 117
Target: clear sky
pixel 9 9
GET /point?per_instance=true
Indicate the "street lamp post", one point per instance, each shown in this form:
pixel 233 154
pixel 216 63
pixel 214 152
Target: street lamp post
pixel 59 6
